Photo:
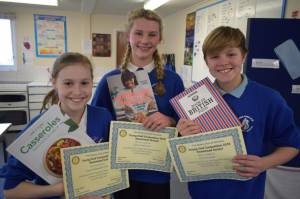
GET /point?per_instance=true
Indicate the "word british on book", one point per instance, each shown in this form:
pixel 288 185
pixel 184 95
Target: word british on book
pixel 203 103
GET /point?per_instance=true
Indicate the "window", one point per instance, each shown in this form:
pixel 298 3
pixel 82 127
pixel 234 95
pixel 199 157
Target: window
pixel 8 42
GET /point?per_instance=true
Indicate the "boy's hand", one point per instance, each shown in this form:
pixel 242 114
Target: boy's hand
pixel 187 127
pixel 249 165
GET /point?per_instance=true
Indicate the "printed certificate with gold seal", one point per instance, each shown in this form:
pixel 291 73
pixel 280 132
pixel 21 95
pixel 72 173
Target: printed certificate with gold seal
pixel 87 172
pixel 207 156
pixel 134 147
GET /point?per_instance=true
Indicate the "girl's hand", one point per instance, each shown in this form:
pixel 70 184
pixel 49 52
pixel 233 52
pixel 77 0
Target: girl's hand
pixel 157 120
pixel 249 165
pixel 95 197
pixel 187 127
pixel 58 189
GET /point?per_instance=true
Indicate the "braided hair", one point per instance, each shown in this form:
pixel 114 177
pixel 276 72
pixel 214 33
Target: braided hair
pixel 159 67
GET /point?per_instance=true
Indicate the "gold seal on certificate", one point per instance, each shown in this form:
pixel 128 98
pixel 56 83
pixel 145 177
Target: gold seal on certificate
pixel 134 147
pixel 87 172
pixel 208 155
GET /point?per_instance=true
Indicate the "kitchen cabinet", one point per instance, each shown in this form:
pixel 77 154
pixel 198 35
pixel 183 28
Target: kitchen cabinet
pixel 36 93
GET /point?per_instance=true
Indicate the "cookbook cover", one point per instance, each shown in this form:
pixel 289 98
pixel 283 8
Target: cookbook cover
pixel 39 146
pixel 203 103
pixel 132 95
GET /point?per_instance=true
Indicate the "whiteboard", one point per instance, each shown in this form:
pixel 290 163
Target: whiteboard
pixel 232 13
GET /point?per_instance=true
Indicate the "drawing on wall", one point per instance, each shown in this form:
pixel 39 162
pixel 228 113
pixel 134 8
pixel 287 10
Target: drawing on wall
pixel 50 35
pixel 189 39
pixel 27 51
pixel 101 45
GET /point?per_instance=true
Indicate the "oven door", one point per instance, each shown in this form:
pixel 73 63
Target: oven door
pixel 13 99
pixel 17 116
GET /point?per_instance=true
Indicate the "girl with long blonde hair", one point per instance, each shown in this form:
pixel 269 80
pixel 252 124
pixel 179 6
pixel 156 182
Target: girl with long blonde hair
pixel 144 34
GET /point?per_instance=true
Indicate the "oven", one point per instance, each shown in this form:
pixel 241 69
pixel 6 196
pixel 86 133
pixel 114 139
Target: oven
pixel 14 105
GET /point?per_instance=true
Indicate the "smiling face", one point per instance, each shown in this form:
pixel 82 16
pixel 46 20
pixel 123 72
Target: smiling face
pixel 226 67
pixel 144 36
pixel 74 87
pixel 224 51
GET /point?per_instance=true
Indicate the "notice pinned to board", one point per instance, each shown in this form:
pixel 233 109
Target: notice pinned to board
pixel 265 63
pixel 295 89
pixel 289 55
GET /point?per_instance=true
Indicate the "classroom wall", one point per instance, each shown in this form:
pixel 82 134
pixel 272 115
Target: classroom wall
pixel 174 32
pixel 174 28
pixel 79 28
pixel 107 24
pixel 292 6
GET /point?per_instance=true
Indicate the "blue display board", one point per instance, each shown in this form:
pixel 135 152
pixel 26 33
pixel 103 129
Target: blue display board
pixel 263 35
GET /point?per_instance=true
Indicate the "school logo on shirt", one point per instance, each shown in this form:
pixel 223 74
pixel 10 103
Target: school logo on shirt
pixel 247 123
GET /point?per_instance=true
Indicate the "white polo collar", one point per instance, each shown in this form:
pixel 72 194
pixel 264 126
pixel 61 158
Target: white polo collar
pixel 238 91
pixel 148 68
pixel 83 121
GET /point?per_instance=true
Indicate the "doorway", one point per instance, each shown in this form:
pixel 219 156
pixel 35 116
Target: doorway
pixel 121 46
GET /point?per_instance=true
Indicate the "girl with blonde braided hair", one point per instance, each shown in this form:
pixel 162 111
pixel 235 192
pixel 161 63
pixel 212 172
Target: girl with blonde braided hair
pixel 144 31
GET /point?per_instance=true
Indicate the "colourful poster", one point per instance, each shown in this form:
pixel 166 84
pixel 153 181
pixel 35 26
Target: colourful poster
pixel 50 35
pixel 189 39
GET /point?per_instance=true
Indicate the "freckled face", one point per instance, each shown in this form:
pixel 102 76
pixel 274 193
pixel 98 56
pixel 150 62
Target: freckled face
pixel 74 87
pixel 226 66
pixel 144 37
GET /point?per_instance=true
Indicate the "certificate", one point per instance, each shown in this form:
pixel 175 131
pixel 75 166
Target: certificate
pixel 134 147
pixel 87 172
pixel 208 155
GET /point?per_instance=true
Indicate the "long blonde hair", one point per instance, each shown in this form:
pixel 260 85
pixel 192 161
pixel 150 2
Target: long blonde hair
pixel 159 67
pixel 60 63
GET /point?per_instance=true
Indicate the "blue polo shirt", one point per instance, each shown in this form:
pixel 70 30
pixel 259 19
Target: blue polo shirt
pixel 266 119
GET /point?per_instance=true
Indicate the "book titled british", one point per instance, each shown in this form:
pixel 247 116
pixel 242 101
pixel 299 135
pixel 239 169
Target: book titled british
pixel 203 103
pixel 132 95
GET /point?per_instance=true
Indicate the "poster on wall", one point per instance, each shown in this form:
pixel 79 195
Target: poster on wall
pixel 101 45
pixel 189 39
pixel 50 35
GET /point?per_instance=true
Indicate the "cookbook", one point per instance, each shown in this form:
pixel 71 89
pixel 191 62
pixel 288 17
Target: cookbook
pixel 39 145
pixel 132 95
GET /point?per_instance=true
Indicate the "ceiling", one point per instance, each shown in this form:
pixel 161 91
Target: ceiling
pixel 113 7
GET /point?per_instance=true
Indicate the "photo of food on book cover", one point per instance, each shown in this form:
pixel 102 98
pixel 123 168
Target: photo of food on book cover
pixel 132 95
pixel 51 132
